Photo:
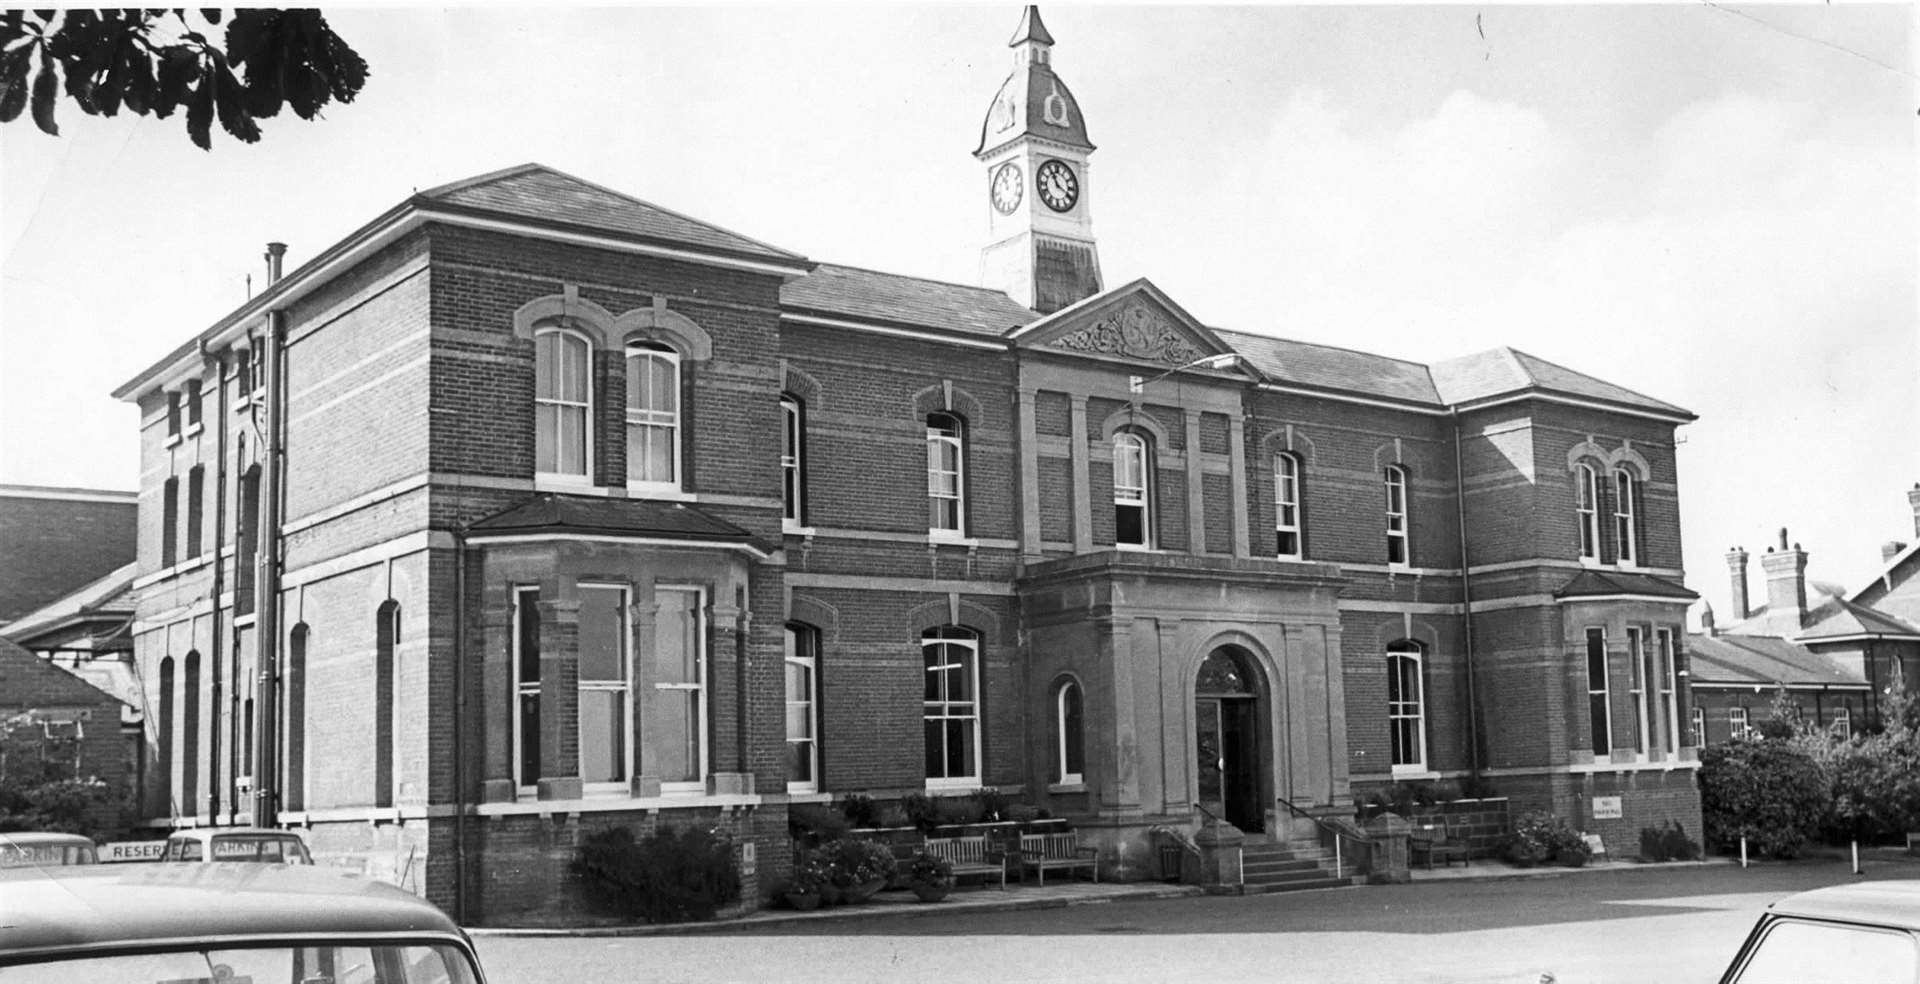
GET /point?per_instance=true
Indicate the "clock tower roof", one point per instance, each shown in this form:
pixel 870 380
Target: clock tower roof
pixel 1033 102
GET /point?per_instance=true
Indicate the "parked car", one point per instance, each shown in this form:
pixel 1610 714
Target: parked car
pixel 34 849
pixel 225 923
pixel 237 844
pixel 1864 933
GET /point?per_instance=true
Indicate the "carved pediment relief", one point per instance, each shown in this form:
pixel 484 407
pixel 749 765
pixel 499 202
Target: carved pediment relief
pixel 1134 330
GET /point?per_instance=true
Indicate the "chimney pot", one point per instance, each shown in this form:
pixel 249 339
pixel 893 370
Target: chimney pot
pixel 1737 573
pixel 275 253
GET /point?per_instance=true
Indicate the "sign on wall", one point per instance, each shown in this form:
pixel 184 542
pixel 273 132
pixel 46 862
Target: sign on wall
pixel 1606 807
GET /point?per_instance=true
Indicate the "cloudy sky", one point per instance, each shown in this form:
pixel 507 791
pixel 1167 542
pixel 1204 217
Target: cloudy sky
pixel 1714 205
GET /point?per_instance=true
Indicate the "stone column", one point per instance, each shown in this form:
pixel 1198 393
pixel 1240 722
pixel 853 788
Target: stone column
pixel 498 702
pixel 1082 480
pixel 1237 468
pixel 730 625
pixel 1029 438
pixel 1196 488
pixel 642 616
pixel 559 698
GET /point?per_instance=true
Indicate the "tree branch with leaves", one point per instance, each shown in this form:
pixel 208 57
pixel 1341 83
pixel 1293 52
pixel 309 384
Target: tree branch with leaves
pixel 153 61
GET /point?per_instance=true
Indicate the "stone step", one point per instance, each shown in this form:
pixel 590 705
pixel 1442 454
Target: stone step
pixel 1297 885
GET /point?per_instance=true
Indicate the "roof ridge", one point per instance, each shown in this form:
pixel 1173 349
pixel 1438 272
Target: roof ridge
pixel 1583 375
pixel 477 180
pixel 677 214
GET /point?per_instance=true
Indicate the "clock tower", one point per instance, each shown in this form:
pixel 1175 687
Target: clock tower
pixel 1034 146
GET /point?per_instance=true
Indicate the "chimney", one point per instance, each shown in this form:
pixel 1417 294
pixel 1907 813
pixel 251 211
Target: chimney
pixel 1737 567
pixel 1706 619
pixel 275 252
pixel 1786 583
pixel 1913 499
pixel 1890 550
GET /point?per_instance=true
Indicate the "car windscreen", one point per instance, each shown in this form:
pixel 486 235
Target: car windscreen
pixel 254 847
pixel 46 855
pixel 338 962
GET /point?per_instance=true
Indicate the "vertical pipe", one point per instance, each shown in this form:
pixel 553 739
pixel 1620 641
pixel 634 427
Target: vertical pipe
pixel 459 727
pixel 266 582
pixel 220 412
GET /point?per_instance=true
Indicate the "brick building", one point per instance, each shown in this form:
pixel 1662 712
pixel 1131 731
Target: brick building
pixel 54 541
pixel 56 726
pixel 590 513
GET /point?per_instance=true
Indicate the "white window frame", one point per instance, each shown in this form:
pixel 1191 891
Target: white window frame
pixel 698 688
pixel 564 407
pixel 1133 495
pixel 946 487
pixel 1698 718
pixel 1600 725
pixel 1638 682
pixel 1398 528
pixel 1737 725
pixel 1286 506
pixel 1064 775
pixel 1842 723
pixel 1586 508
pixel 642 355
pixel 623 686
pixel 1400 656
pixel 522 689
pixel 810 661
pixel 1669 688
pixel 1626 537
pixel 952 710
pixel 792 459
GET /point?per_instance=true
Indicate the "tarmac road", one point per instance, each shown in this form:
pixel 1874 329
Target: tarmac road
pixel 1628 925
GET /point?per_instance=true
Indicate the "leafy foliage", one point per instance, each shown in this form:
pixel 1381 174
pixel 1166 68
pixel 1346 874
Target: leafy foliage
pixel 1540 837
pixel 851 861
pixel 152 61
pixel 1765 790
pixel 860 810
pixel 811 824
pixel 675 874
pixel 1668 843
pixel 929 869
pixel 41 786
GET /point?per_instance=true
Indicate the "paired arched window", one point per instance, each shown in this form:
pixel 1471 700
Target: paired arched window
pixel 170 522
pixel 803 708
pixel 1287 531
pixel 295 725
pixel 1070 764
pixel 164 736
pixel 196 508
pixel 946 474
pixel 562 403
pixel 386 632
pixel 951 706
pixel 1406 707
pixel 190 737
pixel 1626 500
pixel 653 416
pixel 1397 528
pixel 793 460
pixel 1586 508
pixel 1132 490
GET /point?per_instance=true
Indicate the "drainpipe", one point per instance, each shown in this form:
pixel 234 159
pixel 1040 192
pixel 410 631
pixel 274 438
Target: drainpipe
pixel 266 582
pixel 459 728
pixel 1466 600
pixel 219 566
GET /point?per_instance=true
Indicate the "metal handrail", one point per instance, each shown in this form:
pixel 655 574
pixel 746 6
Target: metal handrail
pixel 1339 861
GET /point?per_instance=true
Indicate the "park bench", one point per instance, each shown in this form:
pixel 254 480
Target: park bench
pixel 1429 843
pixel 970 856
pixel 1041 852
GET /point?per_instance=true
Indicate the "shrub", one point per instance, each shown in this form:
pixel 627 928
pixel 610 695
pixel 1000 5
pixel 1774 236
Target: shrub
pixel 860 810
pixel 1023 812
pixel 812 824
pixel 990 802
pixel 1539 837
pixel 675 874
pixel 951 810
pixel 808 878
pixel 851 861
pixel 929 869
pixel 921 810
pixel 1668 843
pixel 1769 792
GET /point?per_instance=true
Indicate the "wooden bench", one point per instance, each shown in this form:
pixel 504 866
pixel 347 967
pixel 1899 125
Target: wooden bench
pixel 1060 851
pixel 970 856
pixel 1425 844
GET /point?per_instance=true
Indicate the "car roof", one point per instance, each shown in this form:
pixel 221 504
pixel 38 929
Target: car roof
pixel 1879 903
pixel 105 907
pixel 25 837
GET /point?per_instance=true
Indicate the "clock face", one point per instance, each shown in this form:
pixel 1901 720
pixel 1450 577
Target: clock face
pixel 1057 185
pixel 1008 187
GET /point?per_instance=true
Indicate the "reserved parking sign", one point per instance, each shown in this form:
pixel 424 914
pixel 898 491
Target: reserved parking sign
pixel 131 851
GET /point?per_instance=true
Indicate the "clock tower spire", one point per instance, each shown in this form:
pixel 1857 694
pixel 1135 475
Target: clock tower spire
pixel 1034 147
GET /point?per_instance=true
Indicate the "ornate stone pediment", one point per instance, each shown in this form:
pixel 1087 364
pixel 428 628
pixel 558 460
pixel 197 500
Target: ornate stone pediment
pixel 1135 330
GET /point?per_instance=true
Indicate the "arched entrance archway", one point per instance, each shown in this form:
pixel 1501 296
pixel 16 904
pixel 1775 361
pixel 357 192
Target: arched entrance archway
pixel 1227 700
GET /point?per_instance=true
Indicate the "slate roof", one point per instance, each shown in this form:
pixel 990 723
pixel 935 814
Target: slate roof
pixel 107 597
pixel 1331 368
pixel 1845 618
pixel 22 672
pixel 537 193
pixel 1603 583
pixel 1501 371
pixel 869 295
pixel 550 512
pixel 1763 661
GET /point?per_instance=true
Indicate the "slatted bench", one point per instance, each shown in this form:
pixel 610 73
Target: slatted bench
pixel 1041 852
pixel 1427 844
pixel 970 856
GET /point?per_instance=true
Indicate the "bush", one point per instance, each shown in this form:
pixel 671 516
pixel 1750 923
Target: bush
pixel 921 810
pixel 62 805
pixel 812 824
pixel 991 803
pixel 851 861
pixel 929 869
pixel 675 874
pixel 1769 792
pixel 1668 843
pixel 954 810
pixel 1540 837
pixel 860 810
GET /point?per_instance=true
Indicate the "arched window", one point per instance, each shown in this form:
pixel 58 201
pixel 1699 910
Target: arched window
pixel 951 706
pixel 792 460
pixel 1406 707
pixel 386 633
pixel 170 522
pixel 1069 734
pixel 1286 507
pixel 1396 485
pixel 294 745
pixel 1132 490
pixel 946 475
pixel 1625 500
pixel 1586 508
pixel 190 737
pixel 196 507
pixel 803 708
pixel 164 737
pixel 247 540
pixel 653 416
pixel 562 403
